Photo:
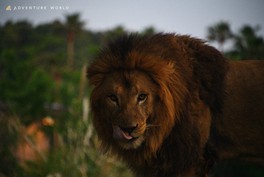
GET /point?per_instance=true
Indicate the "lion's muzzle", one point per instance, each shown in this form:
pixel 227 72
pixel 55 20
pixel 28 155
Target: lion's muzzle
pixel 130 137
pixel 123 133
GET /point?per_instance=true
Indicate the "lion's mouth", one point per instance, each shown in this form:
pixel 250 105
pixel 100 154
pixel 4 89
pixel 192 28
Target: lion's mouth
pixel 129 137
pixel 122 135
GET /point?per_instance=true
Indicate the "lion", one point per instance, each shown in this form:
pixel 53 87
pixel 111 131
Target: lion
pixel 171 105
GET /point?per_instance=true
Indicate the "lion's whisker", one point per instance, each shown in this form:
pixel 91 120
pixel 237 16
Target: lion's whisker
pixel 152 125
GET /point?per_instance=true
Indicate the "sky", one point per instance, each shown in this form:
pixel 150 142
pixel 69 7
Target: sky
pixel 191 17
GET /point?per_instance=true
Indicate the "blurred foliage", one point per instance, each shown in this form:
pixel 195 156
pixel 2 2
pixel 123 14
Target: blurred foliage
pixel 245 44
pixel 220 33
pixel 38 80
pixel 248 44
pixel 9 136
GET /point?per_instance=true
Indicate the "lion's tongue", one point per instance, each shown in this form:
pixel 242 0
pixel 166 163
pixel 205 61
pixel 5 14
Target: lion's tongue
pixel 120 134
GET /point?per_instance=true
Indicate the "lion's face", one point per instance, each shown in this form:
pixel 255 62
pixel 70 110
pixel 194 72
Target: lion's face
pixel 127 103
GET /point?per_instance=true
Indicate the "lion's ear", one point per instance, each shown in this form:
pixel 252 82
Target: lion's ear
pixel 210 68
pixel 94 77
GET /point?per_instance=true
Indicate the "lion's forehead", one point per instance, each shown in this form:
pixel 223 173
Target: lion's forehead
pixel 131 82
pixel 126 89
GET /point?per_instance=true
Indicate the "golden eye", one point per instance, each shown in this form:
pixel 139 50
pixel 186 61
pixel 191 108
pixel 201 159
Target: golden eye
pixel 113 98
pixel 142 97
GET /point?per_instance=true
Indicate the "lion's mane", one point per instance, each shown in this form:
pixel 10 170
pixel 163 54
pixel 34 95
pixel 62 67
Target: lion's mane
pixel 188 73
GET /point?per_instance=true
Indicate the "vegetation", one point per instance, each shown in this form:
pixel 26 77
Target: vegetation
pixel 246 43
pixel 220 33
pixel 42 74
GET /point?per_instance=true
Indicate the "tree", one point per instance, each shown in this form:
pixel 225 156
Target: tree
pixel 113 33
pixel 24 88
pixel 149 30
pixel 73 26
pixel 220 32
pixel 15 35
pixel 248 44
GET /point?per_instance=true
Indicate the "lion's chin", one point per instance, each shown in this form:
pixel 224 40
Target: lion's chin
pixel 131 144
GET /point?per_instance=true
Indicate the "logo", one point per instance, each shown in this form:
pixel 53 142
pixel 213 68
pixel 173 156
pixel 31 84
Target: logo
pixel 33 7
pixel 8 8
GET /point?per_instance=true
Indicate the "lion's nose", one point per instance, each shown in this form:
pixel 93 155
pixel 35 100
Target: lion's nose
pixel 128 129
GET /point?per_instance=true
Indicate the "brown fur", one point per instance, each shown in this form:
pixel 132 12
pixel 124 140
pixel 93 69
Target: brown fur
pixel 179 127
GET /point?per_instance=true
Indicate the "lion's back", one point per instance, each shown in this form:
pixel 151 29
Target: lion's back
pixel 243 112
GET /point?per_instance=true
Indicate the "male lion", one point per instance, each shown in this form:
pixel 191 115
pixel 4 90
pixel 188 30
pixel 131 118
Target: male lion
pixel 170 105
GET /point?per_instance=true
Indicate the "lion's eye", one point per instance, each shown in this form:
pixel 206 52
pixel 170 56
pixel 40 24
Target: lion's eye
pixel 113 98
pixel 142 97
